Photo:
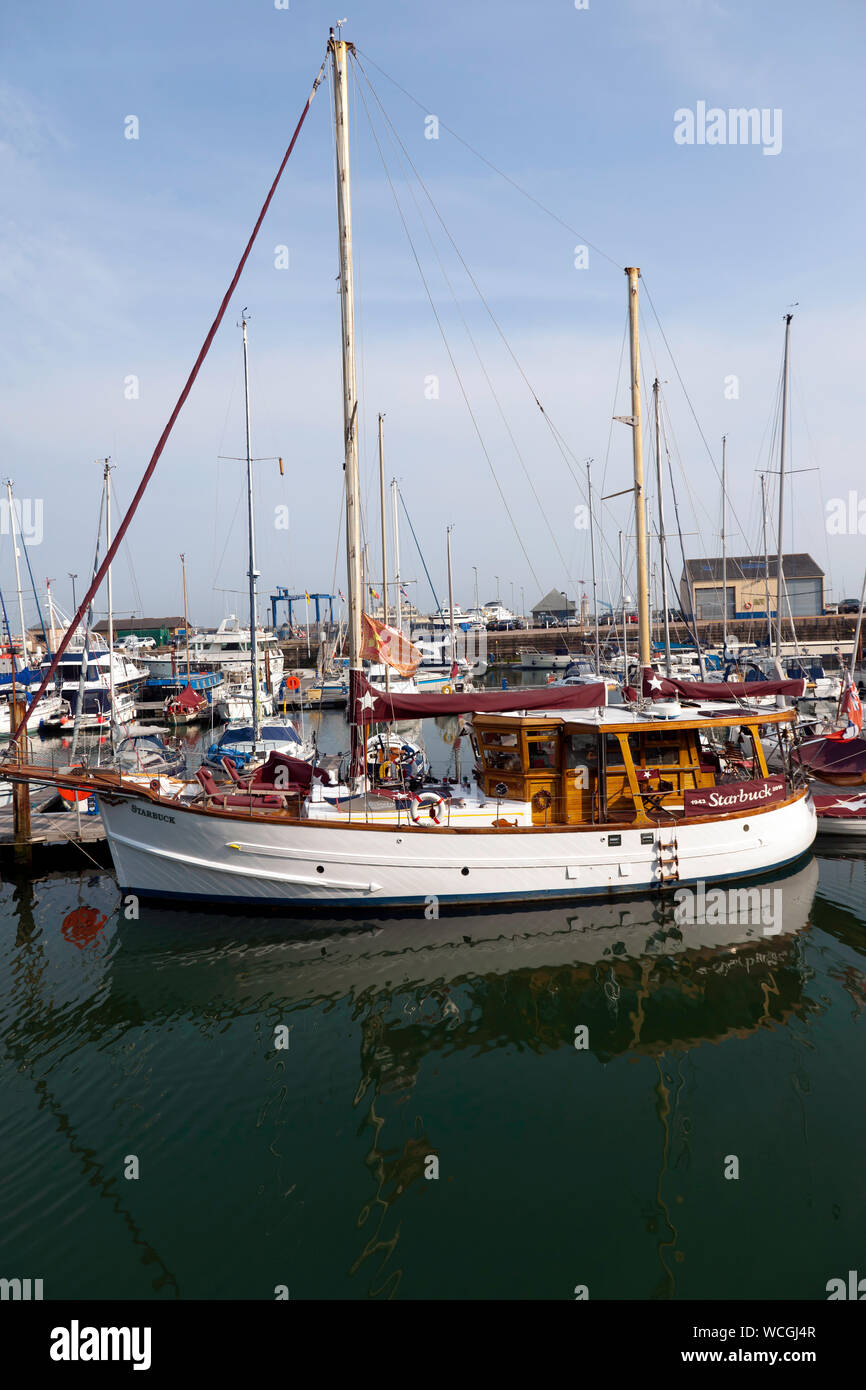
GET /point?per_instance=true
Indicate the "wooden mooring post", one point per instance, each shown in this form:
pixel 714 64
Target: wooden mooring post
pixel 21 798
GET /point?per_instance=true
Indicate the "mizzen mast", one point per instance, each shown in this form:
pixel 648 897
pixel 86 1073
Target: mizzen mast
pixel 644 632
pixel 780 560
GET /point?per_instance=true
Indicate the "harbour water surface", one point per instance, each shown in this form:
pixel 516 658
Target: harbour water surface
pixel 421 1044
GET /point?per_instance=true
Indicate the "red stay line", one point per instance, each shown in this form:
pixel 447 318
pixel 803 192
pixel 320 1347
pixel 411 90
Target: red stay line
pixel 163 439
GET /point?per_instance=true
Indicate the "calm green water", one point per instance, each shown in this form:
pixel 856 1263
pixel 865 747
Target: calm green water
pixel 558 1166
pixel 455 1039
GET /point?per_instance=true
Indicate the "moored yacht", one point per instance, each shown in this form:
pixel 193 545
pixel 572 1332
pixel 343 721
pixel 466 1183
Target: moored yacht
pixel 228 650
pixel 106 676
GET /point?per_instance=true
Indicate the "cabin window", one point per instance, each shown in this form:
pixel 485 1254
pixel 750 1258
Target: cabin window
pixel 543 752
pixel 496 739
pixel 613 751
pixel 581 750
pixel 502 762
pixel 501 750
pixel 661 749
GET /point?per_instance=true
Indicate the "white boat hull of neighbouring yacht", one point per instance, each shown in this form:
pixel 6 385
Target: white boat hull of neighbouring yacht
pixel 166 850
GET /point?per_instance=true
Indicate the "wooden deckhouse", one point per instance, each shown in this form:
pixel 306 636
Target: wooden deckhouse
pixel 618 766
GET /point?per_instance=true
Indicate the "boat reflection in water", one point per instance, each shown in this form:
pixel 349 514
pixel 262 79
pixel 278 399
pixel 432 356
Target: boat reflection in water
pixel 639 938
pixel 413 1038
pixel 420 990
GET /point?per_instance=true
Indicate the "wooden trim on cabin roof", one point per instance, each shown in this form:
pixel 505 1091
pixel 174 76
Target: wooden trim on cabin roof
pixel 721 721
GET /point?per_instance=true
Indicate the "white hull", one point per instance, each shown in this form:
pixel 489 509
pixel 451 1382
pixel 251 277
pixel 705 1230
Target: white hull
pixel 232 707
pixel 853 829
pixel 177 853
pixel 124 708
pixel 50 711
pixel 544 661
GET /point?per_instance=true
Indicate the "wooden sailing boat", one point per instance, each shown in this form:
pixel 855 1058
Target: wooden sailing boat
pixel 569 799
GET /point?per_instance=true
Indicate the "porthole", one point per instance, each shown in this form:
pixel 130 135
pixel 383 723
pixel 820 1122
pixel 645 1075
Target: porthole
pixel 464 872
pixel 320 868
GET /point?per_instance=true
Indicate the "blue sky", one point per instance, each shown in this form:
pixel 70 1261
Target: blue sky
pixel 114 254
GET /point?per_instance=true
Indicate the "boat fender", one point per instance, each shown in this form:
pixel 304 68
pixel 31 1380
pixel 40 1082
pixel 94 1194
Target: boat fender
pixel 427 800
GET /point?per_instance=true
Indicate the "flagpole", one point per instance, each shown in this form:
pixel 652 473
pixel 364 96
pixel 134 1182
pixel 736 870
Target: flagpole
pixel 384 539
pixel 857 629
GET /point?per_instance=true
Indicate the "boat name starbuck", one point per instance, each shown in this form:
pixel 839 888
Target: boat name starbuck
pixel 737 797
pixel 151 815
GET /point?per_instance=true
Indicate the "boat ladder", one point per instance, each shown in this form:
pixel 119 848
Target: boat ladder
pixel 667 859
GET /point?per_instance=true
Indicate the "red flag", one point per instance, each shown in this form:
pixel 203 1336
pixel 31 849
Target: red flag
pixel 387 645
pixel 658 687
pixel 852 708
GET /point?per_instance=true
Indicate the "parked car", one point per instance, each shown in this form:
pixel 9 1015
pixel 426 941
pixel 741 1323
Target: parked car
pixel 849 605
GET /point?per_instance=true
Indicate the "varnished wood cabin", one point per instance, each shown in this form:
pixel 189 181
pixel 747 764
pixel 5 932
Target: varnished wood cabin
pixel 618 767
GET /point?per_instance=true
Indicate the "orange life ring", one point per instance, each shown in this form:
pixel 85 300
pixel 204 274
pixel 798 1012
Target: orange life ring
pixel 72 794
pixel 292 683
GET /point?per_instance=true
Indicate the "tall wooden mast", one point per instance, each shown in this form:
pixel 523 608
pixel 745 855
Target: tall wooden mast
pixel 637 450
pixel 339 51
pixel 780 577
pixel 663 544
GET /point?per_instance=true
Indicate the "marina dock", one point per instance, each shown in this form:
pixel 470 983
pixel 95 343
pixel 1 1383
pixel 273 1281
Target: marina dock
pixel 58 839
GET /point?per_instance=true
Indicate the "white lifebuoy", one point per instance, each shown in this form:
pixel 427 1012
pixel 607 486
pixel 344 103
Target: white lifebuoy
pixel 423 800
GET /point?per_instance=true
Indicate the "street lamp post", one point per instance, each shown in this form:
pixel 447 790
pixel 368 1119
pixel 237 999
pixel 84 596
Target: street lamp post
pixel 475 568
pixel 73 577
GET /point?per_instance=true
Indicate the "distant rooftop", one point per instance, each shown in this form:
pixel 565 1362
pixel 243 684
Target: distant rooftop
pixel 137 624
pixel 799 566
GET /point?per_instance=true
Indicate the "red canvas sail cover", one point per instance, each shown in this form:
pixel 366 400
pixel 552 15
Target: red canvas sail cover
pixel 190 699
pixel 841 807
pixel 662 687
pixel 377 707
pixel 833 758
